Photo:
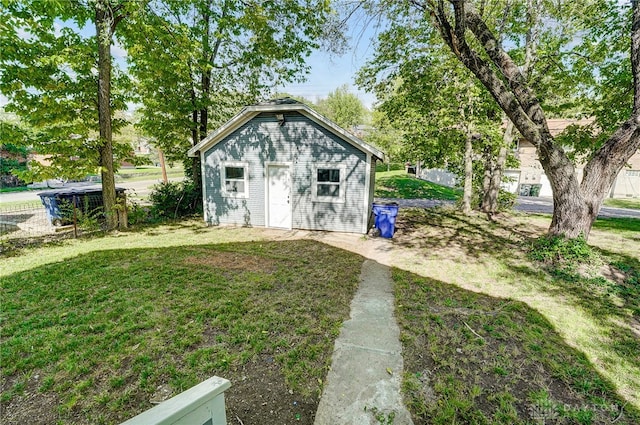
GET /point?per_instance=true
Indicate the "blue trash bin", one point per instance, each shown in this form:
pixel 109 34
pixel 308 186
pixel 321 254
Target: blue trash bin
pixel 52 207
pixel 82 197
pixel 385 220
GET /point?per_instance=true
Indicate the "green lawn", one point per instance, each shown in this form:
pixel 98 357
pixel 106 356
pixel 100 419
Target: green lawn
pixel 90 336
pixel 492 336
pixel 92 328
pixel 15 189
pixel 633 204
pixel 147 173
pixel 398 184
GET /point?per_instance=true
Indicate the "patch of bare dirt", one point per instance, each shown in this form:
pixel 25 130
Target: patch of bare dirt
pixel 31 407
pixel 233 261
pixel 259 396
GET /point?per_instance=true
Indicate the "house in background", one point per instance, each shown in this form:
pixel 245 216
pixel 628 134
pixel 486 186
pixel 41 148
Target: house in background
pixel 627 184
pixel 281 164
pixel 531 175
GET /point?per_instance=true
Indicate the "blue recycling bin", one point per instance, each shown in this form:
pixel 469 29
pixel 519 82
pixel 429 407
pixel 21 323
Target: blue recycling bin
pixel 385 218
pixel 81 197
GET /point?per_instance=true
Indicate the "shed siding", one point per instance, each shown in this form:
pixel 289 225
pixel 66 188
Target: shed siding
pixel 302 143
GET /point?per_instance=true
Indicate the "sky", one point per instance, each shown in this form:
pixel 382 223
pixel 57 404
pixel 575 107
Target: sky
pixel 329 72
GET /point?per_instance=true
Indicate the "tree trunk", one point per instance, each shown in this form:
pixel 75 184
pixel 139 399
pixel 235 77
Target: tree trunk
pixel 192 165
pixel 201 116
pixel 204 123
pixel 104 21
pixel 467 192
pixel 489 165
pixel 576 205
pixel 493 193
pixel 492 190
pixel 575 211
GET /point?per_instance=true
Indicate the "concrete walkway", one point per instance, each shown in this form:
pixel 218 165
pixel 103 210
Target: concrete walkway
pixel 363 385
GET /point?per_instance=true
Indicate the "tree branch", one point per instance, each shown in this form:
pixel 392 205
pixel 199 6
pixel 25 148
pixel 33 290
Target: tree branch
pixel 505 64
pixel 503 95
pixel 625 141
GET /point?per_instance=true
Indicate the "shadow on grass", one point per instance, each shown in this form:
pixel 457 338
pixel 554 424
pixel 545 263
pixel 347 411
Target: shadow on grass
pixel 94 338
pixel 608 292
pixel 472 358
pixel 437 228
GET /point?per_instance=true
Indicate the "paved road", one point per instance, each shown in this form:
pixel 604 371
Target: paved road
pixel 525 203
pixel 140 188
pixel 545 206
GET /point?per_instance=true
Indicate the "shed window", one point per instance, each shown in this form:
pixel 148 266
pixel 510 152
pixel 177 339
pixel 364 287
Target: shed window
pixel 328 183
pixel 235 180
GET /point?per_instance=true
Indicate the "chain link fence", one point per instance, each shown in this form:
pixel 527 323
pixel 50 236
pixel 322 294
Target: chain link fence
pixel 70 215
pixel 24 220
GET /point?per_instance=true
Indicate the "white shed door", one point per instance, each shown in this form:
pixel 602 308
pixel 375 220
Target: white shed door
pixel 279 202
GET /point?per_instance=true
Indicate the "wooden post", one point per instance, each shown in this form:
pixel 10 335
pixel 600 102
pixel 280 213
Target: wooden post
pixel 123 216
pixel 75 217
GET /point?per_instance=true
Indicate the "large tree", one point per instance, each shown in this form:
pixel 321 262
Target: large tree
pixel 343 107
pixel 197 61
pixel 445 115
pixel 57 74
pixel 592 61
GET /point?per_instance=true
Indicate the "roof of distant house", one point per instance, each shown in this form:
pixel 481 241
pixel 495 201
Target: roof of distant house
pixel 558 125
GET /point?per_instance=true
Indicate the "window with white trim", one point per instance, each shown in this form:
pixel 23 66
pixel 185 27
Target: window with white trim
pixel 328 183
pixel 235 179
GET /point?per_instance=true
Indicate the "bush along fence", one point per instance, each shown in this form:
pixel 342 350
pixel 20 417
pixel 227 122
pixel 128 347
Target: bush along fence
pixel 76 211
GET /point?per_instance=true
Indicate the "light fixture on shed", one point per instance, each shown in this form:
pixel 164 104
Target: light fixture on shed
pixel 280 118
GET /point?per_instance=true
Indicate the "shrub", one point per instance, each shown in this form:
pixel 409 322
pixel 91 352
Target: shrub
pixel 561 251
pixel 394 166
pixel 136 213
pixel 175 199
pixel 506 200
pixel 86 215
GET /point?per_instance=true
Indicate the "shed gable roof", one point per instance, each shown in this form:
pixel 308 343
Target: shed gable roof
pixel 281 106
